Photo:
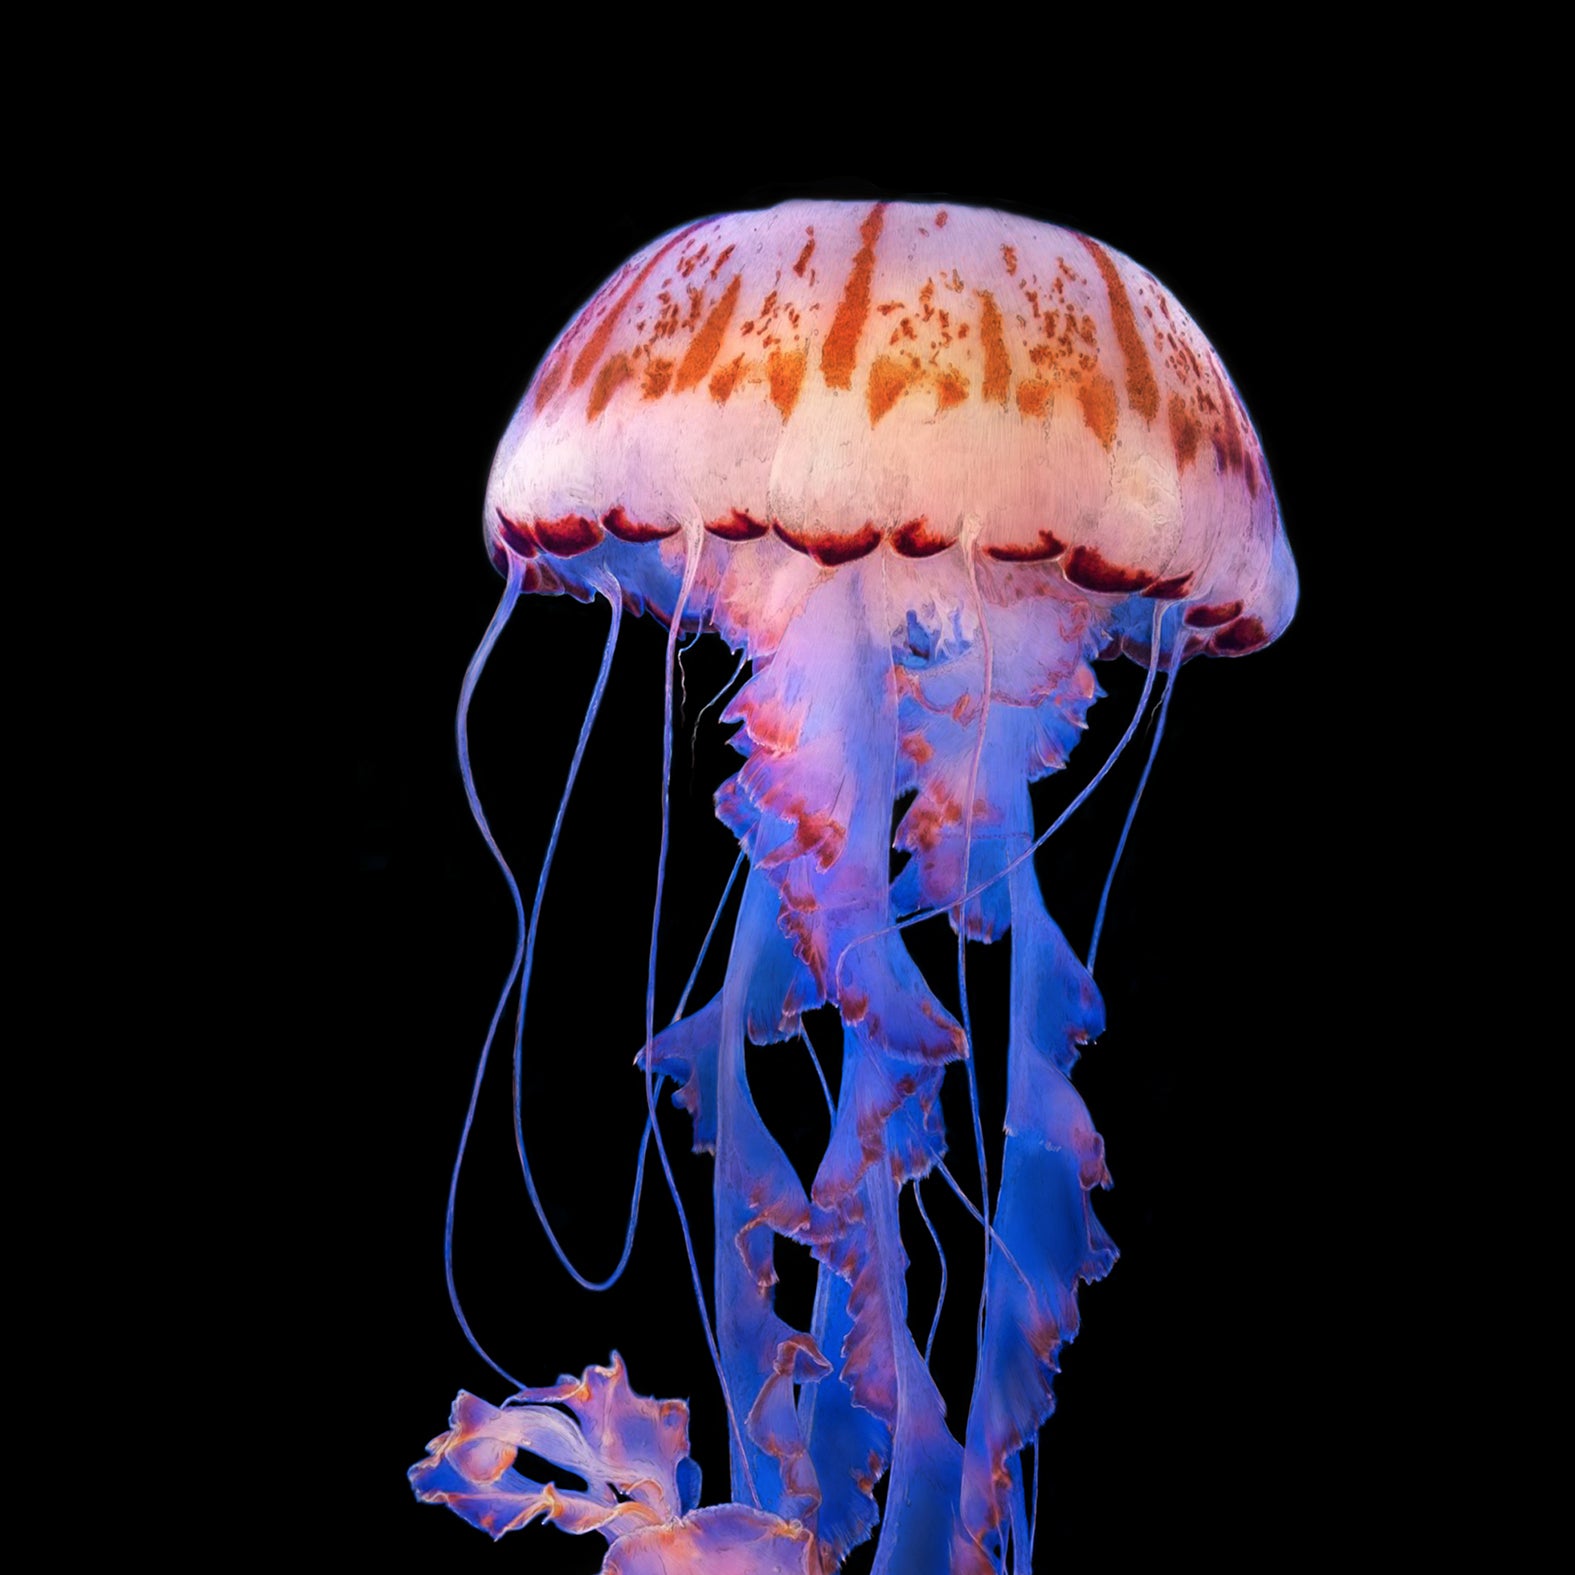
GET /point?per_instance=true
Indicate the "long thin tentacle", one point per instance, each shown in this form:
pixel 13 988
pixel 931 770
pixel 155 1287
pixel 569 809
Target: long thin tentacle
pixel 511 592
pixel 615 604
pixel 944 1171
pixel 1153 750
pixel 820 1072
pixel 940 1252
pixel 694 732
pixel 705 945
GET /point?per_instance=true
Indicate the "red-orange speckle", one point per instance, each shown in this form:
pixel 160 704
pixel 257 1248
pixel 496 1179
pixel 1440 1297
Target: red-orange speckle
pixel 805 255
pixel 1183 432
pixel 951 388
pixel 1142 390
pixel 927 819
pixel 551 377
pixel 705 345
pixel 658 374
pixel 722 381
pixel 1009 257
pixel 889 380
pixel 1097 396
pixel 1033 396
pixel 785 371
pixel 596 346
pixel 841 347
pixel 615 371
pixel 721 260
pixel 772 725
pixel 940 219
pixel 997 363
pixel 825 547
pixel 1227 436
pixel 1233 411
pixel 813 833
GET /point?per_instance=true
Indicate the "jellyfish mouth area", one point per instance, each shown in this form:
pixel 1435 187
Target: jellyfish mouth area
pixel 948 687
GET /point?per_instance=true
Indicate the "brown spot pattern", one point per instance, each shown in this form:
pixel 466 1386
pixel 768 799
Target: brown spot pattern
pixel 890 379
pixel 841 347
pixel 615 371
pixel 1142 390
pixel 1183 432
pixel 997 363
pixel 805 255
pixel 785 370
pixel 722 381
pixel 1227 436
pixel 596 346
pixel 1033 396
pixel 951 388
pixel 707 343
pixel 1231 406
pixel 1097 396
pixel 658 374
pixel 551 376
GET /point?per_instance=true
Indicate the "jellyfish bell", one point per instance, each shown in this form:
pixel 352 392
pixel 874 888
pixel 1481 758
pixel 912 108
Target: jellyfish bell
pixel 922 466
pixel 831 375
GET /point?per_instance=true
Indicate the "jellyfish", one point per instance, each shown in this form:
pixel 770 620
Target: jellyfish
pixel 921 466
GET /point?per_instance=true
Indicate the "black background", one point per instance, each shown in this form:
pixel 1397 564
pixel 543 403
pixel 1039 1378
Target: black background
pixel 1184 1406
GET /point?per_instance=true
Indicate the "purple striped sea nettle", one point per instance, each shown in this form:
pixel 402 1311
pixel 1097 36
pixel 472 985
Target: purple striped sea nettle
pixel 922 467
